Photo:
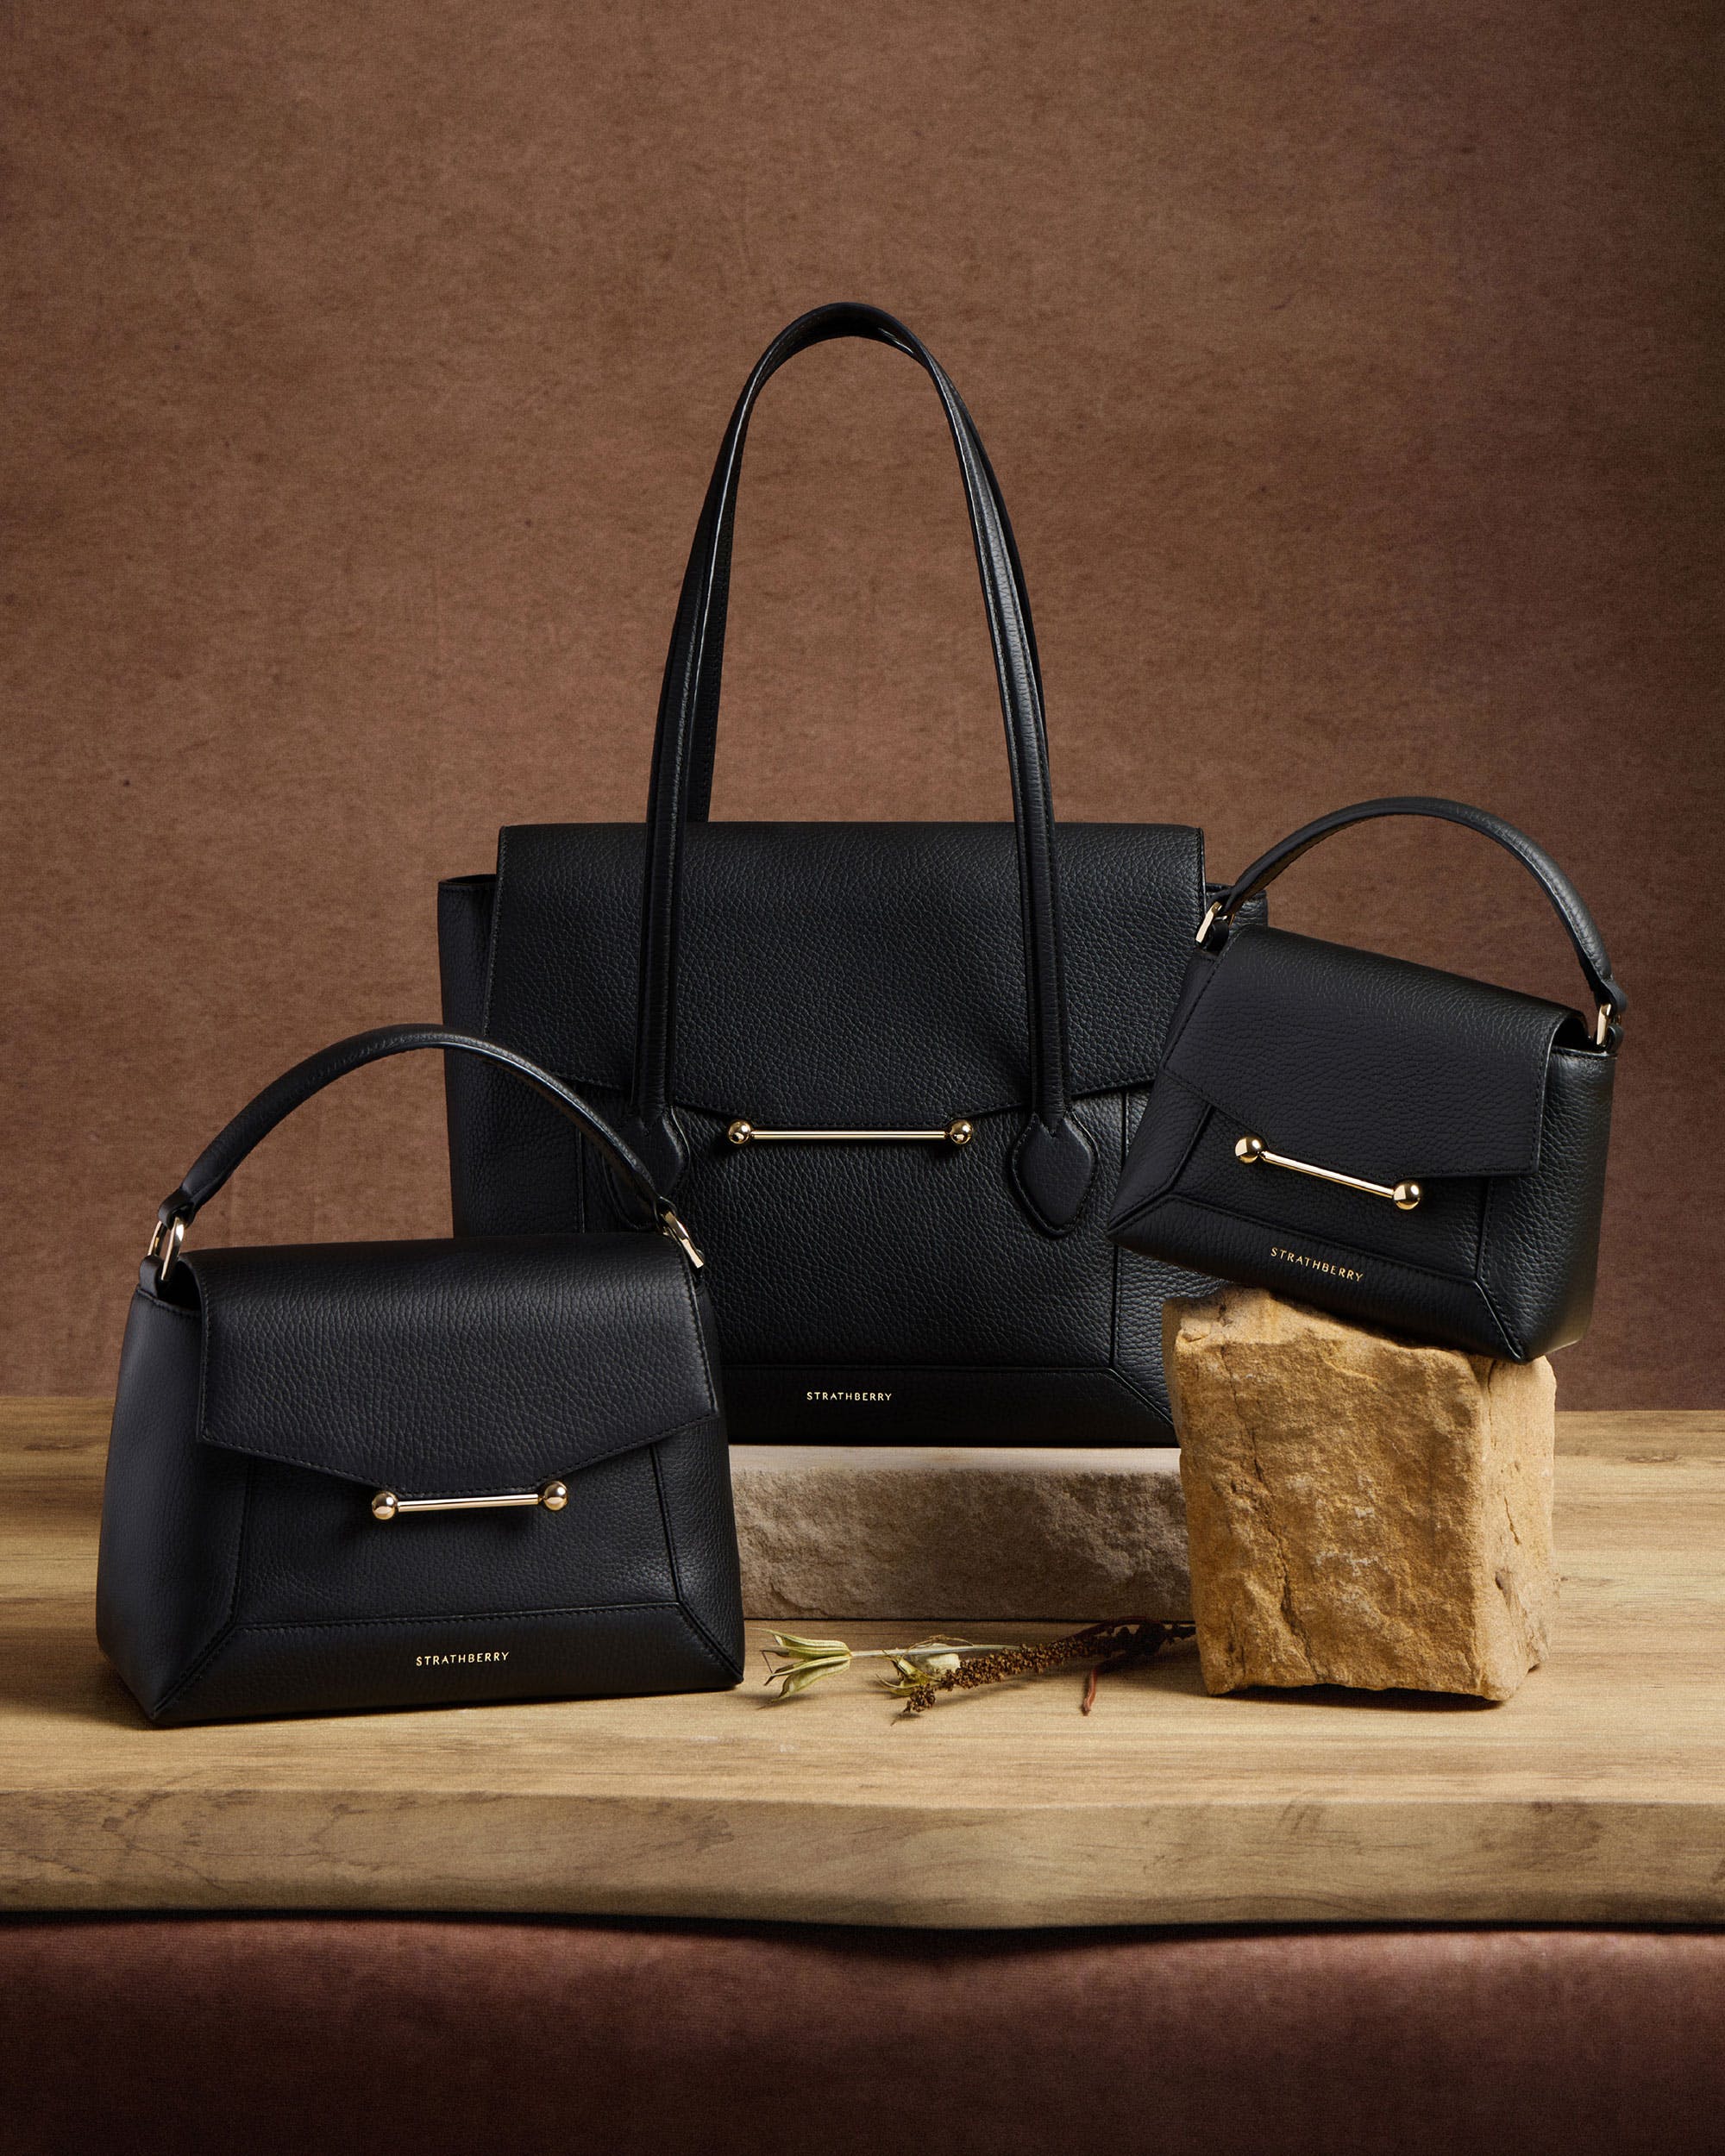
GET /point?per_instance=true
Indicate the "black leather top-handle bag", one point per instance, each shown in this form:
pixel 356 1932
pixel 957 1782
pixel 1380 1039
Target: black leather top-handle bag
pixel 888 1071
pixel 1417 1150
pixel 405 1473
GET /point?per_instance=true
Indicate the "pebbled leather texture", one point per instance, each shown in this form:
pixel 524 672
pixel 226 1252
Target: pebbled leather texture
pixel 243 1574
pixel 1369 1064
pixel 444 1368
pixel 1051 1170
pixel 846 976
pixel 265 1394
pixel 840 973
pixel 1495 1103
pixel 167 1568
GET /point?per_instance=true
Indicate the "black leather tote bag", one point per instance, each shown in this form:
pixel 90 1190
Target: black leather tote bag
pixel 406 1474
pixel 888 1071
pixel 1420 1151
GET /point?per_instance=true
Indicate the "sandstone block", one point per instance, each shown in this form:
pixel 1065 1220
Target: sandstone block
pixel 1360 1510
pixel 925 1533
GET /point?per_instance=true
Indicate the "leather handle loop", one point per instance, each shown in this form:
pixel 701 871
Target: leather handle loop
pixel 1053 1169
pixel 1583 934
pixel 254 1122
pixel 882 329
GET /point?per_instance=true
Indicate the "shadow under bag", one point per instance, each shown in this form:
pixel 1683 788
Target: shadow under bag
pixel 406 1474
pixel 888 1071
pixel 1420 1151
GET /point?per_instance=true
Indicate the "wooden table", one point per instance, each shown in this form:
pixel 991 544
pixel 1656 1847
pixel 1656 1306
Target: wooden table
pixel 1597 1793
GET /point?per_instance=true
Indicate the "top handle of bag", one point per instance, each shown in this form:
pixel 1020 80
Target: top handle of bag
pixel 838 320
pixel 1053 1161
pixel 1589 945
pixel 254 1122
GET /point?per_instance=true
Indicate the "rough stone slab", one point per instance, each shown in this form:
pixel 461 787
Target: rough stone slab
pixel 1360 1510
pixel 926 1532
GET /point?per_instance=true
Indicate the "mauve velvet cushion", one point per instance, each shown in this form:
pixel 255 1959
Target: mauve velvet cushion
pixel 431 2036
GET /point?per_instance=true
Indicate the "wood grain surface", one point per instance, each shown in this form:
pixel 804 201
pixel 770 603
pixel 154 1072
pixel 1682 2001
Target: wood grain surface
pixel 1598 1794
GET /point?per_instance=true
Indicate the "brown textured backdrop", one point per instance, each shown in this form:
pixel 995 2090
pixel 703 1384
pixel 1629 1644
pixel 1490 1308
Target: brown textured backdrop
pixel 1350 370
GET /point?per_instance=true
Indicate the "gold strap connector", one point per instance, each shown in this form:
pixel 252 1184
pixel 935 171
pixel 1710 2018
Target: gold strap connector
pixel 165 1241
pixel 681 1236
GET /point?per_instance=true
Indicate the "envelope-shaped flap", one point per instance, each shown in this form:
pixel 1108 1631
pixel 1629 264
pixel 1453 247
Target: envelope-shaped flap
pixel 449 1369
pixel 1368 1065
pixel 834 974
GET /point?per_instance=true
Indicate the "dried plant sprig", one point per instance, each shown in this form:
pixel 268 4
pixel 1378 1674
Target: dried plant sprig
pixel 803 1661
pixel 944 1664
pixel 1112 1646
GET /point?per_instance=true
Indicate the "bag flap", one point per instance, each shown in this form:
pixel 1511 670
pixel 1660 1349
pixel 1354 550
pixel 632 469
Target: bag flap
pixel 843 974
pixel 1369 1065
pixel 449 1369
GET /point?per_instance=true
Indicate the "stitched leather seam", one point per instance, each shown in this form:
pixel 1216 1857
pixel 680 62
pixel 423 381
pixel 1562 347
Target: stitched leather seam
pixel 1135 1081
pixel 173 1309
pixel 1130 1386
pixel 1482 1215
pixel 1515 1353
pixel 703 1638
pixel 494 940
pixel 462 1617
pixel 1056 1230
pixel 226 1628
pixel 346 1475
pixel 1222 1107
pixel 1169 1188
pixel 1173 1039
pixel 700 1342
pixel 1126 1219
pixel 198 1668
pixel 1340 1243
pixel 665 1526
pixel 708 1645
pixel 1504 1331
pixel 1116 1254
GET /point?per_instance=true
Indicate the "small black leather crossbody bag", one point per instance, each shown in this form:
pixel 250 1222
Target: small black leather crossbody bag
pixel 404 1474
pixel 1420 1151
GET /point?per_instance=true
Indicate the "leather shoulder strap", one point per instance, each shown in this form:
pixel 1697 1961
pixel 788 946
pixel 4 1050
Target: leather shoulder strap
pixel 822 325
pixel 254 1122
pixel 1054 1161
pixel 1590 946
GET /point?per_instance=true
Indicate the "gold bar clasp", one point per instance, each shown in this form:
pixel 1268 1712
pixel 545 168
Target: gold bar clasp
pixel 959 1131
pixel 553 1496
pixel 1404 1196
